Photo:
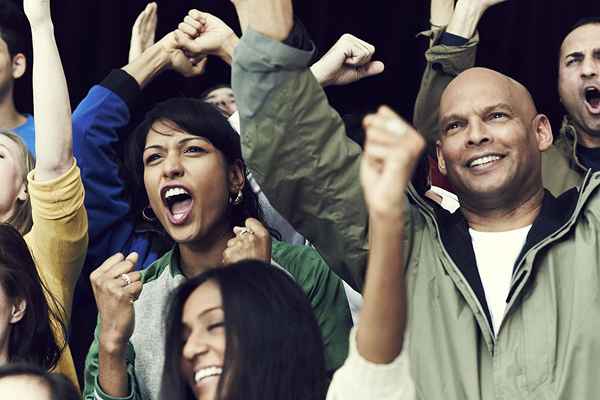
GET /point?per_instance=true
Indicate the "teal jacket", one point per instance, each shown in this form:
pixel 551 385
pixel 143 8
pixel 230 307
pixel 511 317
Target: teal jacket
pixel 145 354
pixel 548 346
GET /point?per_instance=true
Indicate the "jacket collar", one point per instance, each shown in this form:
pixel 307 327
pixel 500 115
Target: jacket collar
pixel 566 142
pixel 455 237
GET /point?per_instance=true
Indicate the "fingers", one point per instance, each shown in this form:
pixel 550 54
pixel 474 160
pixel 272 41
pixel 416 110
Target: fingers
pixel 358 52
pixel 116 265
pixel 371 69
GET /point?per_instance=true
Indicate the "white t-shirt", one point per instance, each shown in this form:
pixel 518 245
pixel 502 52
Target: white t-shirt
pixel 496 253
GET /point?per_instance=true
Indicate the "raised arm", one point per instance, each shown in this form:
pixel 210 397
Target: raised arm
pixel 294 142
pixel 376 366
pixel 53 139
pixel 453 50
pixel 392 150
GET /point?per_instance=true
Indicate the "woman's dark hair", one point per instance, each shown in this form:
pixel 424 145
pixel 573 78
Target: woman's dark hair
pixel 274 349
pixel 32 339
pixel 58 385
pixel 197 118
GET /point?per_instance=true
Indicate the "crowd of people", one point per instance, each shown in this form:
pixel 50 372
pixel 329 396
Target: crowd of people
pixel 244 245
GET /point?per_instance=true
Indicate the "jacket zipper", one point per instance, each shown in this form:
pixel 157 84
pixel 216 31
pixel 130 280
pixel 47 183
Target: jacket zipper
pixel 427 210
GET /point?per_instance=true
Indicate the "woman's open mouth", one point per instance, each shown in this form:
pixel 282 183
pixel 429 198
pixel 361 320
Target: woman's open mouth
pixel 178 202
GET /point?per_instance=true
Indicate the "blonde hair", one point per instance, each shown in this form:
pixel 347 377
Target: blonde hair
pixel 21 219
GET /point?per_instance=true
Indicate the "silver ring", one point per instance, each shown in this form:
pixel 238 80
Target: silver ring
pixel 126 278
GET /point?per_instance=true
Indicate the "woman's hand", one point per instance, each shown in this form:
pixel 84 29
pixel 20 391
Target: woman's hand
pixel 116 286
pixel 251 242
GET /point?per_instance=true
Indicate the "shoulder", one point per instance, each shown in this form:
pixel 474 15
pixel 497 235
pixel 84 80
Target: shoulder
pixel 157 268
pixel 303 262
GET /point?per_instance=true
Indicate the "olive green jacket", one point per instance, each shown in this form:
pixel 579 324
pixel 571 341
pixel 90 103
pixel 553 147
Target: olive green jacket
pixel 560 168
pixel 548 346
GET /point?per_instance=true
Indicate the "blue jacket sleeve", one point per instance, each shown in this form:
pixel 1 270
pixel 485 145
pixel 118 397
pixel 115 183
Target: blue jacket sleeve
pixel 96 122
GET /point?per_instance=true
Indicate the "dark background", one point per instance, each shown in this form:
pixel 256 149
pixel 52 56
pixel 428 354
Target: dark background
pixel 520 38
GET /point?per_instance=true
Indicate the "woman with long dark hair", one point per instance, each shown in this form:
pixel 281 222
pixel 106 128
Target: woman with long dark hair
pixel 189 173
pixel 45 204
pixel 249 323
pixel 224 326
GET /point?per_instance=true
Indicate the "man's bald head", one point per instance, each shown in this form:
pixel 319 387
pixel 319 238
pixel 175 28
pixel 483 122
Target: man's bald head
pixel 498 85
pixel 491 139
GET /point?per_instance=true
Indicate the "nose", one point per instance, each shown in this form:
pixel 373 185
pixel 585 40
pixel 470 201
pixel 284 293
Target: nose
pixel 589 67
pixel 172 167
pixel 194 347
pixel 477 133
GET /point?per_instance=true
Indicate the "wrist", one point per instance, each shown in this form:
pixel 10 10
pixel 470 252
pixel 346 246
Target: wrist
pixel 112 345
pixel 151 63
pixel 316 71
pixel 466 18
pixel 226 50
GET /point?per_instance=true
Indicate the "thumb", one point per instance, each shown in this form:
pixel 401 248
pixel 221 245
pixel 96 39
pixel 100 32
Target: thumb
pixel 255 226
pixel 371 69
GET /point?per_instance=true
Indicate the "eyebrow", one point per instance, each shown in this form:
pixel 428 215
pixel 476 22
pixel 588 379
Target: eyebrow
pixel 182 141
pixel 575 54
pixel 454 116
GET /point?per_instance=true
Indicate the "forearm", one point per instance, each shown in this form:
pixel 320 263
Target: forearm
pixel 382 323
pixel 465 19
pixel 149 65
pixel 53 138
pixel 225 53
pixel 441 12
pixel 112 369
pixel 272 18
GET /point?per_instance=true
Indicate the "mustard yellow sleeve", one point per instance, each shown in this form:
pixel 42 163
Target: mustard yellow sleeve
pixel 58 239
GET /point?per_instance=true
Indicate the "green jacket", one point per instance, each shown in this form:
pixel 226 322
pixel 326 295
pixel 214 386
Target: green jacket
pixel 547 347
pixel 145 353
pixel 560 168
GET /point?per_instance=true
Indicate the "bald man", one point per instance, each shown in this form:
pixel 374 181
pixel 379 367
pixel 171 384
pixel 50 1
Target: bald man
pixel 577 144
pixel 503 295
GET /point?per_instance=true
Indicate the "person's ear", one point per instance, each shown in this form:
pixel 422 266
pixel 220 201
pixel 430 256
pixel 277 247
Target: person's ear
pixel 22 195
pixel 19 65
pixel 236 176
pixel 440 158
pixel 18 311
pixel 543 132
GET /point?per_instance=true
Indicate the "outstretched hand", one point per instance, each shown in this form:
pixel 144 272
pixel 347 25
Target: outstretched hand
pixel 202 34
pixel 349 60
pixel 37 12
pixel 144 31
pixel 391 153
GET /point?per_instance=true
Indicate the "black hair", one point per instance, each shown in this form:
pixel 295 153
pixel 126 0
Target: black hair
pixel 14 28
pixel 199 118
pixel 32 339
pixel 58 385
pixel 204 94
pixel 274 349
